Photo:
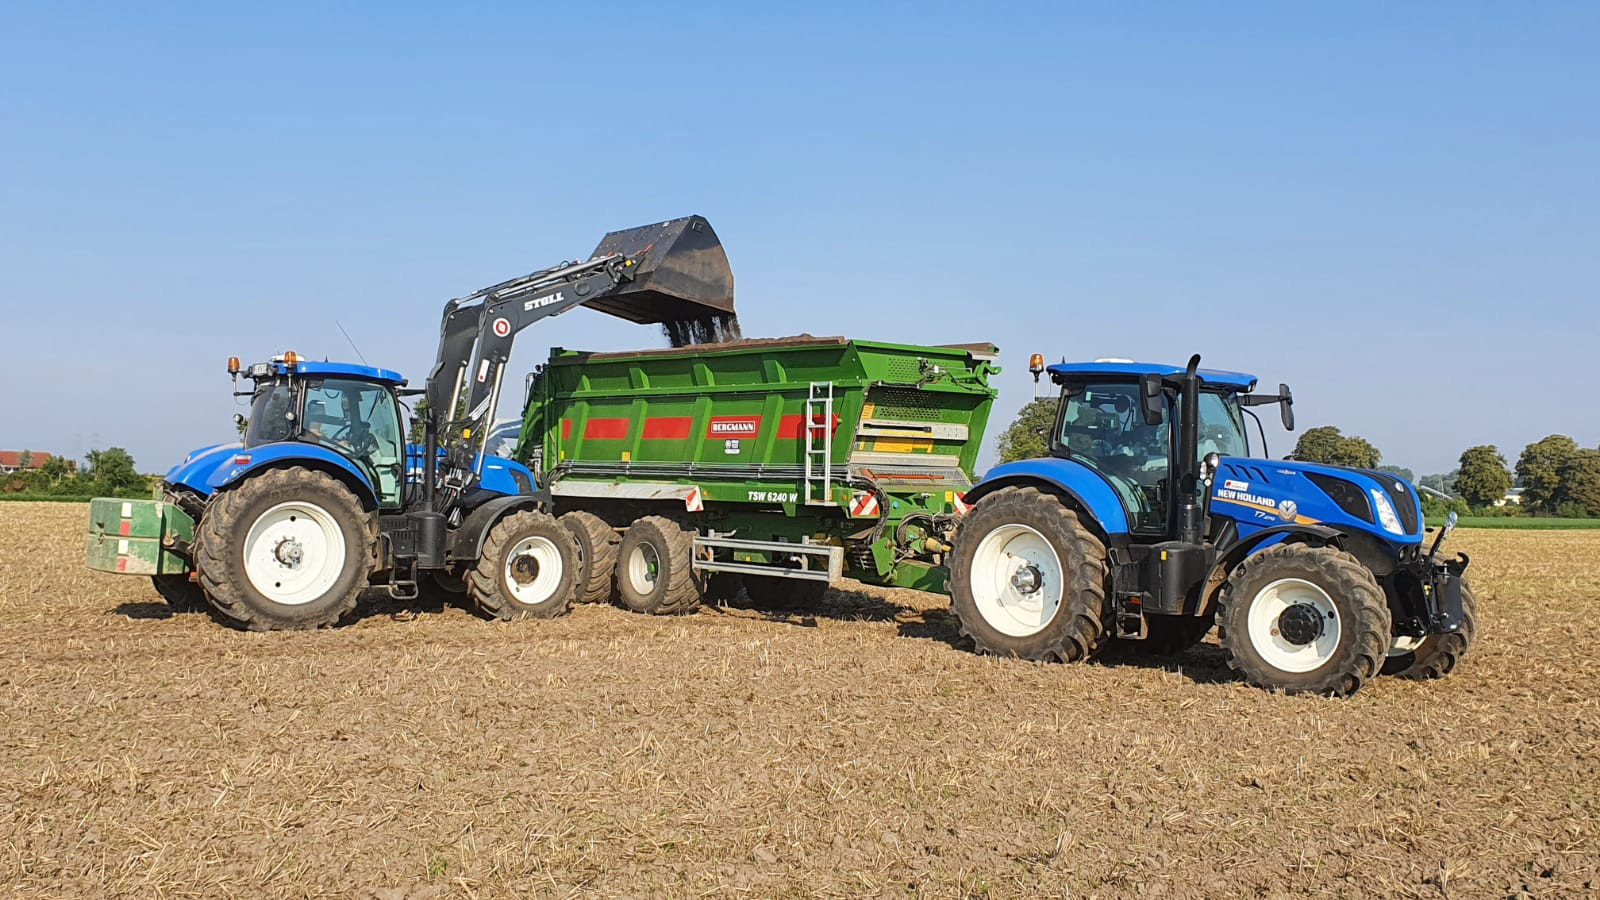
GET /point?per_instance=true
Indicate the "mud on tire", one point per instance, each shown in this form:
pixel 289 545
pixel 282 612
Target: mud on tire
pixel 1027 579
pixel 1439 654
pixel 1304 619
pixel 529 568
pixel 597 545
pixel 310 548
pixel 655 572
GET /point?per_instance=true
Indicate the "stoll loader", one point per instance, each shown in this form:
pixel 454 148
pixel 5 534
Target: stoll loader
pixel 323 496
pixel 1134 531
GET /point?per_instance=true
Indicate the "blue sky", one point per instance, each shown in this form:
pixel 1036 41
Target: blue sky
pixel 1391 207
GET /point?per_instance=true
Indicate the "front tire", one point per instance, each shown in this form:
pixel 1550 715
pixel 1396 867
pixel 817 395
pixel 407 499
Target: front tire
pixel 1438 654
pixel 655 570
pixel 287 549
pixel 1304 619
pixel 1027 579
pixel 529 568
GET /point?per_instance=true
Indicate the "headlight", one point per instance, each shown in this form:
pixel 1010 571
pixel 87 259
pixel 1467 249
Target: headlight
pixel 1386 514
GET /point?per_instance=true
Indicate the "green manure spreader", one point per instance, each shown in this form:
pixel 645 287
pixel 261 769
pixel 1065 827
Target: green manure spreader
pixel 772 465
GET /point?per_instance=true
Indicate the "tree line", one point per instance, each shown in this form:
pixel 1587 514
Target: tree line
pixel 106 473
pixel 1557 477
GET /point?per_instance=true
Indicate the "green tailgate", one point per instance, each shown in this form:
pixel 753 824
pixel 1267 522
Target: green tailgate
pixel 138 537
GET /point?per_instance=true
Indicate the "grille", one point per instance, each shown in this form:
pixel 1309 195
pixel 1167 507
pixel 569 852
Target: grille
pixel 909 406
pixel 905 371
pixel 1350 498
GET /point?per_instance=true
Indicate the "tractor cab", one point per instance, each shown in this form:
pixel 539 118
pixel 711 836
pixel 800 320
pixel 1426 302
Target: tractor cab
pixel 349 409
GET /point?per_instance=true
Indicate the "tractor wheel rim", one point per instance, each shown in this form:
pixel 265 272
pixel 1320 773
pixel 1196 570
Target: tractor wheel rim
pixel 644 566
pixel 294 553
pixel 1288 601
pixel 1017 580
pixel 533 570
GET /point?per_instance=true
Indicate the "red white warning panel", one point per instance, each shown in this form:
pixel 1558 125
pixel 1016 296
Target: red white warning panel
pixel 502 327
pixel 961 504
pixel 693 502
pixel 863 503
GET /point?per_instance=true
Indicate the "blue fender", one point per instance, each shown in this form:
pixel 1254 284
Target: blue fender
pixel 1075 479
pixel 217 467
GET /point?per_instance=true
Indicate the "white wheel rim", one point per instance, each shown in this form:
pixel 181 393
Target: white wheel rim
pixel 1266 616
pixel 644 565
pixel 533 570
pixel 294 553
pixel 1017 580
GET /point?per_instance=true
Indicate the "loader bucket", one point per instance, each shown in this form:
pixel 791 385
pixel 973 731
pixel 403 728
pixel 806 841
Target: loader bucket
pixel 683 274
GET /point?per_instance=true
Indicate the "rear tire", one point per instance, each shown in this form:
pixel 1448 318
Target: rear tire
pixel 1304 619
pixel 597 545
pixel 287 549
pixel 1027 579
pixel 1439 654
pixel 182 595
pixel 655 572
pixel 528 569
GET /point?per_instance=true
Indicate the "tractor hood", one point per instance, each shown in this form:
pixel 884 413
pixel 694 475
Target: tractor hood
pixel 1268 492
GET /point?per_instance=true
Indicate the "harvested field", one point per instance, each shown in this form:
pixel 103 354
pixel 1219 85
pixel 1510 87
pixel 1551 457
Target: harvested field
pixel 849 750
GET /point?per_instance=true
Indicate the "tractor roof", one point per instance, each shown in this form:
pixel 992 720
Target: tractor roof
pixel 1237 380
pixel 348 370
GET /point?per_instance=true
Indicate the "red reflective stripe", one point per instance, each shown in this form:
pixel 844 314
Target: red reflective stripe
pixel 789 427
pixel 566 429
pixel 122 564
pixel 606 429
pixel 126 528
pixel 668 428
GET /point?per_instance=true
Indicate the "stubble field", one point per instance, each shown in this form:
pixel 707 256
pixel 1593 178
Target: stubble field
pixel 847 750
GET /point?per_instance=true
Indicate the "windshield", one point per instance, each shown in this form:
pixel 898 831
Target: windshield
pixel 271 415
pixel 1102 427
pixel 1222 426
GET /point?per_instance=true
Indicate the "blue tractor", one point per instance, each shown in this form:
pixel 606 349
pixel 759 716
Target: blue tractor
pixel 1134 531
pixel 324 495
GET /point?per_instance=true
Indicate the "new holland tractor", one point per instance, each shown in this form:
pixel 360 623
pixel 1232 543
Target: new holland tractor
pixel 324 496
pixel 1133 530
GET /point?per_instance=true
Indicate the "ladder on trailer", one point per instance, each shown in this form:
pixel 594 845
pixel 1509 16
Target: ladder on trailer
pixel 818 446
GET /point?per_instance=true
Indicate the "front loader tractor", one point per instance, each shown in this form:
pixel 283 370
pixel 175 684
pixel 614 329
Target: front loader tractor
pixel 1138 532
pixel 324 495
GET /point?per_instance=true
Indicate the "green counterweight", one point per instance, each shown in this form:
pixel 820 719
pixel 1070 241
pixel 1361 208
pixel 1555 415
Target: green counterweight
pixel 815 443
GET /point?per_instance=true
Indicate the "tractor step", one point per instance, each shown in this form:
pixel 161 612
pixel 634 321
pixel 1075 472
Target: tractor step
pixel 1129 622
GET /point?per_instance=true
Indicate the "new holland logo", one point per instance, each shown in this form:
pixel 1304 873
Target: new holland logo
pixel 733 427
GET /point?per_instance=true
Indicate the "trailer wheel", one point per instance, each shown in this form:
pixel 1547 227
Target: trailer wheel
pixel 289 548
pixel 182 595
pixel 1027 579
pixel 1170 635
pixel 1437 655
pixel 529 568
pixel 1304 619
pixel 655 573
pixel 597 546
pixel 769 591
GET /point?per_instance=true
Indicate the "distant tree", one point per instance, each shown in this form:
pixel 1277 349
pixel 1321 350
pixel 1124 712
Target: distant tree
pixel 1539 469
pixel 1325 444
pixel 242 425
pixel 1433 507
pixel 1023 440
pixel 1484 478
pixel 1580 483
pixel 54 469
pixel 1400 472
pixel 112 470
pixel 25 460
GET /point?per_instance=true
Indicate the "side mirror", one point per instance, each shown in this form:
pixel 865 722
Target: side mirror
pixel 1151 401
pixel 1286 406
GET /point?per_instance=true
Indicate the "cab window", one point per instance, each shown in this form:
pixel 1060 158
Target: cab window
pixel 361 421
pixel 1103 427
